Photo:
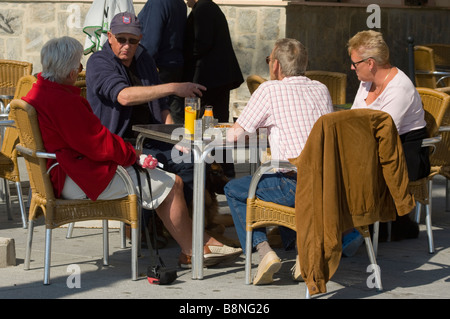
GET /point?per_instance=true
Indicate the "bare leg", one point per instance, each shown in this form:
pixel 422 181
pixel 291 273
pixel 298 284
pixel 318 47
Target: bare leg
pixel 175 216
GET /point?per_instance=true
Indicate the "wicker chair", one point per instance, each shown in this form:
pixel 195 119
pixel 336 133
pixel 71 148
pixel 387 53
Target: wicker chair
pixel 441 58
pixel 10 73
pixel 336 83
pixel 440 159
pixel 262 214
pixel 436 105
pixel 253 81
pixel 426 74
pixel 9 169
pixel 57 211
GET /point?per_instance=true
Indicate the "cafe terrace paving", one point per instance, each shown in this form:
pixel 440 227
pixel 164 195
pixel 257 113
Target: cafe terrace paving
pixel 408 271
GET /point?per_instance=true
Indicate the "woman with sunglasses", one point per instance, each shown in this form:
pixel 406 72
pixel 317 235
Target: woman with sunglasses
pixel 385 87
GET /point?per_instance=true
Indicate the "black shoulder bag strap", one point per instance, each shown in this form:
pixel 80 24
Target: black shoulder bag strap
pixel 156 273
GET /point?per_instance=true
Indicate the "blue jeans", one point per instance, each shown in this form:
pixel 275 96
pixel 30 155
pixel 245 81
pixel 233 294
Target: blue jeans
pixel 278 188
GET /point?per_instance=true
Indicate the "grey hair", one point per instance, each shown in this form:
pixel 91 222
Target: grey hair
pixel 292 55
pixel 59 57
pixel 369 44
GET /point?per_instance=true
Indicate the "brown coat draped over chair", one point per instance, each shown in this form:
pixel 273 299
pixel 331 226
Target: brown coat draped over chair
pixel 351 172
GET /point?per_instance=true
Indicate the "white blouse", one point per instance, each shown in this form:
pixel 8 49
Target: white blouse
pixel 400 99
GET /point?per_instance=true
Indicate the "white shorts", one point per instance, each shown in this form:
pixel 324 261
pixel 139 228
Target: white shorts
pixel 161 183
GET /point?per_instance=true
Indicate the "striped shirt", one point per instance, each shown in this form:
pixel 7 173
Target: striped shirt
pixel 288 109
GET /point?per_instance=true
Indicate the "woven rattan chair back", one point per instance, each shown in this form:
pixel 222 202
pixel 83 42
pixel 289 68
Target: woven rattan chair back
pixel 426 74
pixel 253 82
pixel 441 54
pixel 436 105
pixel 336 83
pixel 10 73
pixel 440 102
pixel 9 168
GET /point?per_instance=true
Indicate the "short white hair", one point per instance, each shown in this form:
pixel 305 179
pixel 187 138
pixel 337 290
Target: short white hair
pixel 59 57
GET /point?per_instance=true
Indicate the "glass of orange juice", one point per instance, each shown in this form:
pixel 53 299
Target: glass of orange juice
pixel 191 109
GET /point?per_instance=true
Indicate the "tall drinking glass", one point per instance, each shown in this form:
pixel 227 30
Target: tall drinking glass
pixel 191 112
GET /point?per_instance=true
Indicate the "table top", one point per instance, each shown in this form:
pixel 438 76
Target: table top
pixel 174 134
pixel 160 132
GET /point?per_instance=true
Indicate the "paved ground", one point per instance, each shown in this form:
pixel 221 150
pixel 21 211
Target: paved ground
pixel 408 271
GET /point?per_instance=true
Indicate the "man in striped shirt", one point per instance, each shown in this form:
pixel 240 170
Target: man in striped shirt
pixel 287 106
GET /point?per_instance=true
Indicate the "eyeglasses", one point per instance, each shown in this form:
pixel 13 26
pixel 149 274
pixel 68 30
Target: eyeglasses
pixel 123 40
pixel 268 59
pixel 356 63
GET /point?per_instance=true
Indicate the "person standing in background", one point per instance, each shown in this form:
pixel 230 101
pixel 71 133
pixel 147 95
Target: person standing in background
pixel 163 23
pixel 209 60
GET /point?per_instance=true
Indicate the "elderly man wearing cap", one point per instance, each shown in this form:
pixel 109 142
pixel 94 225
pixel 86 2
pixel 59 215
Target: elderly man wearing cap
pixel 123 82
pixel 124 89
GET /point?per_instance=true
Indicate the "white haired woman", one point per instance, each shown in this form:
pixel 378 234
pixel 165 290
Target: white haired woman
pixel 88 153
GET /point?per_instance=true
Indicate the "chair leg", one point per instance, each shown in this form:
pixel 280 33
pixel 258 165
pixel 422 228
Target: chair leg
pixel 26 264
pixel 307 295
pixel 70 230
pixel 134 253
pixel 105 243
pixel 123 236
pixel 373 262
pixel 7 198
pixel 389 231
pixel 428 209
pixel 21 204
pixel 418 211
pixel 48 253
pixel 376 233
pixel 447 195
pixel 248 258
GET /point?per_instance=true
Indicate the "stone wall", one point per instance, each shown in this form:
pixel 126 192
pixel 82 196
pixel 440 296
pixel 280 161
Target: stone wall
pixel 25 26
pixel 326 30
pixel 254 25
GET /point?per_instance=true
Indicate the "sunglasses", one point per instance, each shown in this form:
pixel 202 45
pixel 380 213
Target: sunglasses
pixel 268 59
pixel 123 40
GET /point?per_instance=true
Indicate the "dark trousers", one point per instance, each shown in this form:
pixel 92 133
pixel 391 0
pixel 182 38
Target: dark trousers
pixel 219 99
pixel 176 103
pixel 417 157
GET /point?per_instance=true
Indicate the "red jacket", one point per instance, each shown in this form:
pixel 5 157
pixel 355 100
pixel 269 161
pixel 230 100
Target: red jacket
pixel 86 150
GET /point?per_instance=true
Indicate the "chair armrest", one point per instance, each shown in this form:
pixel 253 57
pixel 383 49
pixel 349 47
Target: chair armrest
pixel 27 151
pixel 7 123
pixel 444 129
pixel 264 168
pixel 443 75
pixel 122 172
pixel 30 152
pixel 431 141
